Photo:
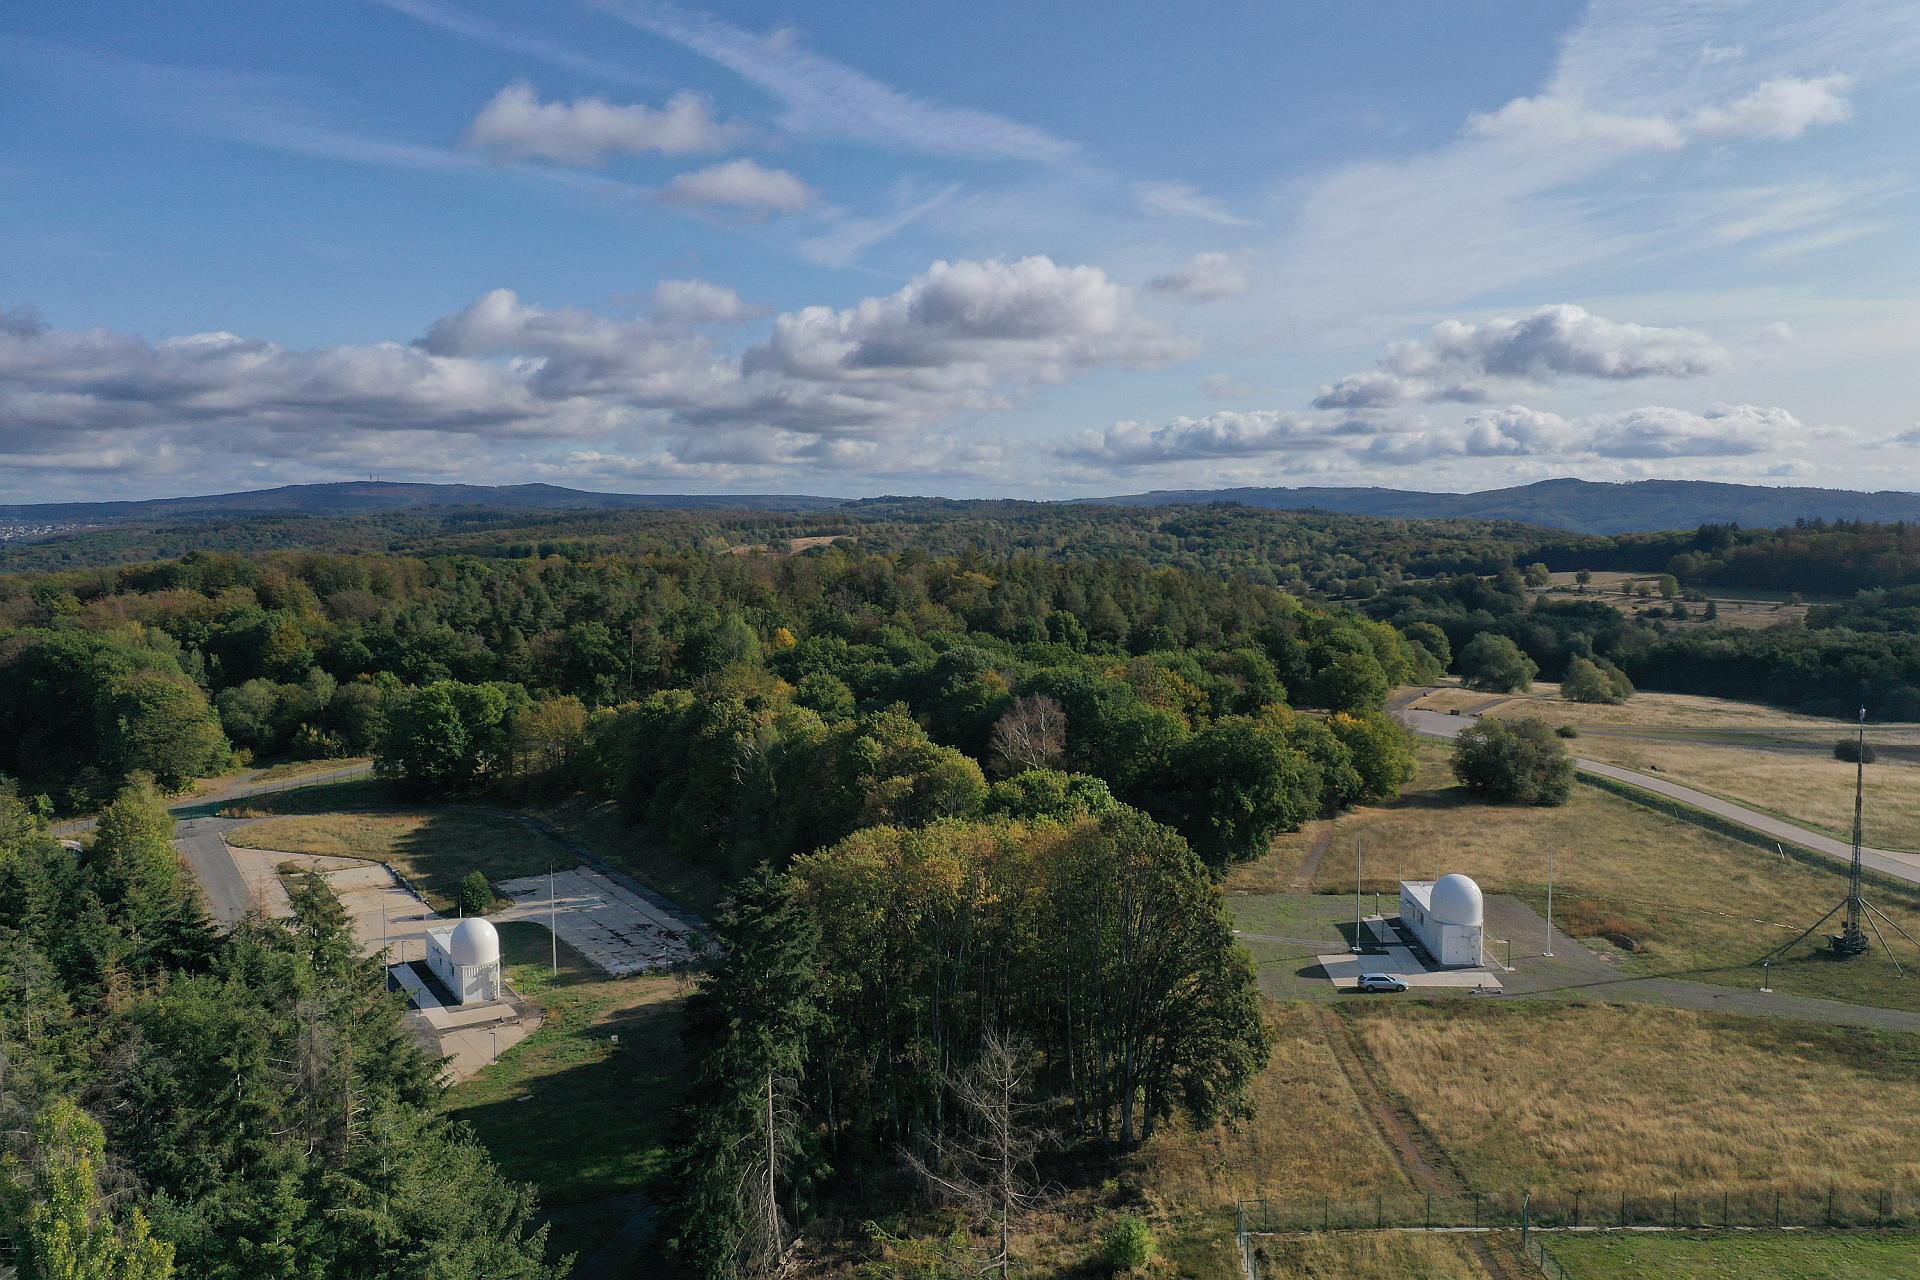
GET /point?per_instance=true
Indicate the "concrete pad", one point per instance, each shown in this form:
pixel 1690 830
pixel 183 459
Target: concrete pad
pixel 619 931
pixel 470 1051
pixel 1343 968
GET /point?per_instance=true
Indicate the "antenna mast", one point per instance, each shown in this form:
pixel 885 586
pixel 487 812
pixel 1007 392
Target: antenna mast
pixel 1852 938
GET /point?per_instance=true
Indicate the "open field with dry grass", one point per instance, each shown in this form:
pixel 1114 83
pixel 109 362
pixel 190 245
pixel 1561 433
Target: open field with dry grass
pixel 1604 1098
pixel 433 848
pixel 1736 606
pixel 1691 899
pixel 1351 1255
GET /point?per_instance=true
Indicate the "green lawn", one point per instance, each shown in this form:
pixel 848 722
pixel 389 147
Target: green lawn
pixel 581 1116
pixel 1739 1256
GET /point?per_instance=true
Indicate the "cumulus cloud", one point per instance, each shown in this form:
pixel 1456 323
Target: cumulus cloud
pixel 830 388
pixel 1217 435
pixel 1205 277
pixel 741 184
pixel 1724 430
pixel 1469 362
pixel 516 125
pixel 700 302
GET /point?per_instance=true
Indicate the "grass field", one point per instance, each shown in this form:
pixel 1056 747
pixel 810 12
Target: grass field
pixel 1695 901
pixel 1739 1256
pixel 433 848
pixel 1607 1099
pixel 1367 1255
pixel 570 1110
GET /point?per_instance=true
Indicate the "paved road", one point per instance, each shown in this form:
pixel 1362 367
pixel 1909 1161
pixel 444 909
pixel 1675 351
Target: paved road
pixel 1900 866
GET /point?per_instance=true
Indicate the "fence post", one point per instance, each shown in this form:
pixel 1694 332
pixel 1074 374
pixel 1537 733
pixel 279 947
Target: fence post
pixel 1829 1204
pixel 1526 1218
pixel 1326 1212
pixel 1379 1210
pixel 1776 1208
pixel 1576 1207
pixel 1673 1213
pixel 1623 1208
pixel 1476 1209
pixel 1725 1219
pixel 1428 1220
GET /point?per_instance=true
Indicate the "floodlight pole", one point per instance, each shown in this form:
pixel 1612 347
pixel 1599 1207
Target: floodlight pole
pixel 1853 938
pixel 1359 852
pixel 553 916
pixel 1549 950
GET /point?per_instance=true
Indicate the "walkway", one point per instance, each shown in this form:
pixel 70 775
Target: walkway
pixel 1899 866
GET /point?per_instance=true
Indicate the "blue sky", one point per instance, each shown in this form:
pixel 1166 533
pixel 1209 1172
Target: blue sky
pixel 1046 250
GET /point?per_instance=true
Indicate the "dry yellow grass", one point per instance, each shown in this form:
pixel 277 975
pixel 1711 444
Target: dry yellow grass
pixel 1605 1098
pixel 1807 787
pixel 1690 897
pixel 1308 1136
pixel 1367 1255
pixel 433 848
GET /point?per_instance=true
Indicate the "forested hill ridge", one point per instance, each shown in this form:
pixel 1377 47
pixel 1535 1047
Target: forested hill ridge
pixel 359 496
pixel 1584 506
pixel 1588 506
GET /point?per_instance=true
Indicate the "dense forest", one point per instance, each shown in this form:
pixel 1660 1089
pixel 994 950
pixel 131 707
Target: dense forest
pixel 241 1107
pixel 972 769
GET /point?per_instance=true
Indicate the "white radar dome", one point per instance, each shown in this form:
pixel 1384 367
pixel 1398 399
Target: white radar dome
pixel 1457 900
pixel 474 941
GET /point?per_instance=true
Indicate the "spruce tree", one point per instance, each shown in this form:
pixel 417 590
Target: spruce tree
pixel 740 1135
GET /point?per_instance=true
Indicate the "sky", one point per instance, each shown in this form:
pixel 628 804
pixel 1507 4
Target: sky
pixel 1041 250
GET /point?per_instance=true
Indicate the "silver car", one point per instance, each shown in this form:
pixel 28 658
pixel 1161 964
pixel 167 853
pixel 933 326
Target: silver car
pixel 1379 982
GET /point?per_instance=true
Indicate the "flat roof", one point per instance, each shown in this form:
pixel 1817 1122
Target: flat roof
pixel 1421 890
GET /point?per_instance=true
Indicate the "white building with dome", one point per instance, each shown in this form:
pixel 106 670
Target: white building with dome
pixel 1448 916
pixel 465 956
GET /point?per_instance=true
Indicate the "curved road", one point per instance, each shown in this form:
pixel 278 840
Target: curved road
pixel 1900 866
pixel 200 836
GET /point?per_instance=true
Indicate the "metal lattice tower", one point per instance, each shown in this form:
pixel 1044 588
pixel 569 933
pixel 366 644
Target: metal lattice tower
pixel 1852 938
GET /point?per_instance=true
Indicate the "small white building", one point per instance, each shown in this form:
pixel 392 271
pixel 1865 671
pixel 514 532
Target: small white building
pixel 1447 915
pixel 466 958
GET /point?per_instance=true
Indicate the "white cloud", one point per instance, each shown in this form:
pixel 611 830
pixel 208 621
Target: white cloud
pixel 829 389
pixel 741 184
pixel 1217 435
pixel 700 302
pixel 1780 110
pixel 1467 361
pixel 828 98
pixel 516 125
pixel 1205 277
pixel 1518 431
pixel 1724 430
pixel 1183 200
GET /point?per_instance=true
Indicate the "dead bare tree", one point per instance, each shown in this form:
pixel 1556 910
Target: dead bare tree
pixel 1030 734
pixel 986 1170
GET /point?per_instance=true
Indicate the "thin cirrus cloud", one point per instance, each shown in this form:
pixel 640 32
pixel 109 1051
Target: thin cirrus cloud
pixel 1205 277
pixel 1780 109
pixel 827 98
pixel 517 125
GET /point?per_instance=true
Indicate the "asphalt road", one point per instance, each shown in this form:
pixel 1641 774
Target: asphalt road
pixel 1900 866
pixel 199 836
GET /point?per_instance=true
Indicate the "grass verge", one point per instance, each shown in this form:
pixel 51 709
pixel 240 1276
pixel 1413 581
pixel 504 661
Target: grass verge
pixel 1740 1256
pixel 580 1115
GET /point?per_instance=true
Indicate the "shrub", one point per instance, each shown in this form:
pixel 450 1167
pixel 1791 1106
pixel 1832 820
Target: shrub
pixel 1566 731
pixel 1128 1243
pixel 1853 751
pixel 476 895
pixel 1518 761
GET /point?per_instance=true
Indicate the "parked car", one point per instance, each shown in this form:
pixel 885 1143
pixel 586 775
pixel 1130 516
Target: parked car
pixel 1380 982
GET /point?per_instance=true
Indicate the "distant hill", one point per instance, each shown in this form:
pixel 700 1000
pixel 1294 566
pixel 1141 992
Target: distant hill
pixel 359 496
pixel 1586 506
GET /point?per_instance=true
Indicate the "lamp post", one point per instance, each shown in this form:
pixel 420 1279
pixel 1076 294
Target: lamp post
pixel 1549 950
pixel 1766 983
pixel 1359 852
pixel 553 915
